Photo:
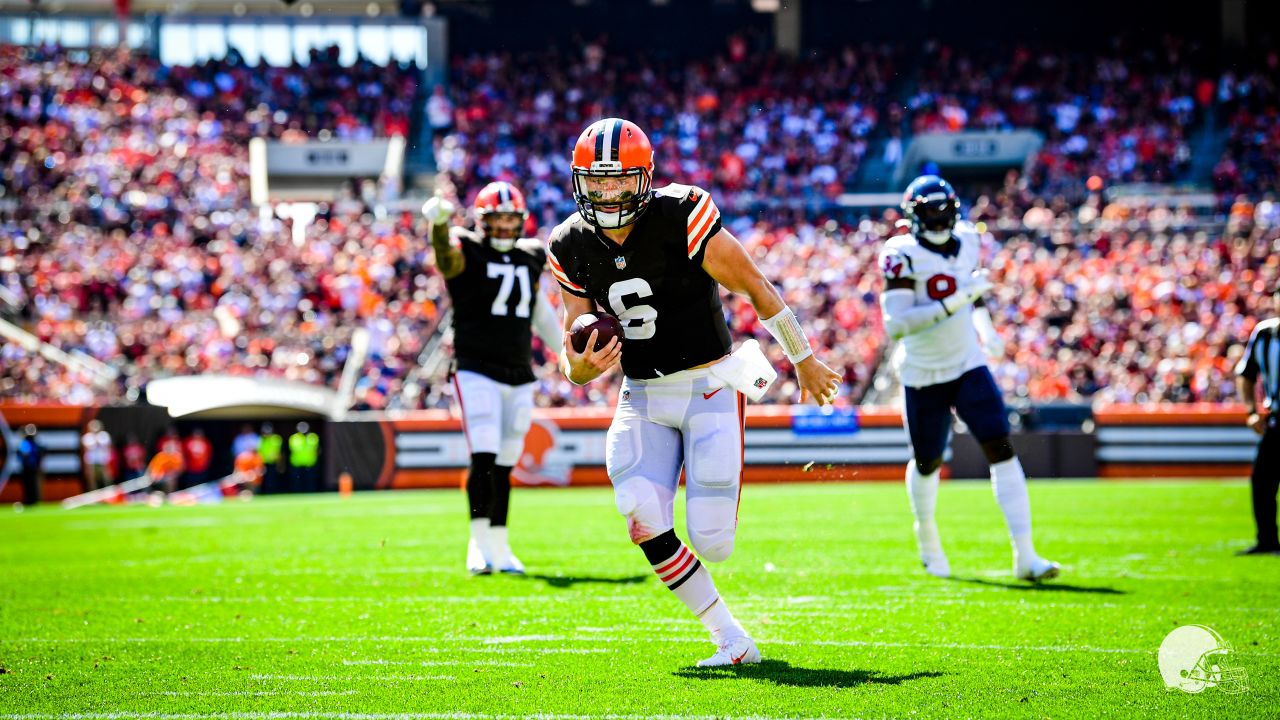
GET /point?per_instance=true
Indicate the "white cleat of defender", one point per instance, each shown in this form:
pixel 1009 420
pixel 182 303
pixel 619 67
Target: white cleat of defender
pixel 737 651
pixel 930 546
pixel 1038 570
pixel 476 564
pixel 505 562
pixel 937 565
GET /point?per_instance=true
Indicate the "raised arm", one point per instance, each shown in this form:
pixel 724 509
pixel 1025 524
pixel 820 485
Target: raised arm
pixel 448 256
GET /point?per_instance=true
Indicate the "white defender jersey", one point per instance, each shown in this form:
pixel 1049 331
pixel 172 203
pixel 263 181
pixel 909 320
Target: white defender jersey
pixel 951 348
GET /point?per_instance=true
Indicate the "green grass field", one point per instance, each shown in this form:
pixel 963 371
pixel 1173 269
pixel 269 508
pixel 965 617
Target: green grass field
pixel 309 607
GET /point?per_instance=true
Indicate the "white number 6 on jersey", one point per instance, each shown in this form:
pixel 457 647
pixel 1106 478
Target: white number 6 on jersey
pixel 646 314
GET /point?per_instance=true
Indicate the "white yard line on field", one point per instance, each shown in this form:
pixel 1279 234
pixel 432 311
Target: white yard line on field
pixel 252 693
pixel 517 640
pixel 440 663
pixel 362 678
pixel 128 715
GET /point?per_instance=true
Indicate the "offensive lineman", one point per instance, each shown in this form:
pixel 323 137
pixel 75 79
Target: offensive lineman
pixel 492 277
pixel 933 304
pixel 656 259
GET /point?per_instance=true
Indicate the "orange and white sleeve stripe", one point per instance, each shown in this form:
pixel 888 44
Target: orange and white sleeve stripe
pixel 561 277
pixel 701 220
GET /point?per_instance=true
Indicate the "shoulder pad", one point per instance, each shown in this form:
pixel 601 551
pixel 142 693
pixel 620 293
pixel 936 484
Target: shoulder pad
pixel 533 246
pixel 895 257
pixel 460 234
pixel 901 244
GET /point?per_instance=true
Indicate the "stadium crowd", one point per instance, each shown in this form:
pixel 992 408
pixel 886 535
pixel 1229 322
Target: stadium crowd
pixel 1121 115
pixel 755 126
pixel 126 233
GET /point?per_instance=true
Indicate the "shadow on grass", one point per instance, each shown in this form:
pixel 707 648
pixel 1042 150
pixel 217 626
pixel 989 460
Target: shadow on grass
pixel 1041 587
pixel 567 581
pixel 782 672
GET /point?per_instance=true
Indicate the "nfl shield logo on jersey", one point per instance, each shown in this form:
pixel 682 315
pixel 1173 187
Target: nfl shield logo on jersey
pixel 621 262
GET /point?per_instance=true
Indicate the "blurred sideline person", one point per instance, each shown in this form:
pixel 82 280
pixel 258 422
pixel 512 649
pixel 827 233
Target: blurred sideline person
pixel 31 465
pixel 97 451
pixel 1261 361
pixel 271 450
pixel 304 458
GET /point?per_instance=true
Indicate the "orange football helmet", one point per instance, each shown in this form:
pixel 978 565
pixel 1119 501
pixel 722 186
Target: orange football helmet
pixel 612 173
pixel 501 199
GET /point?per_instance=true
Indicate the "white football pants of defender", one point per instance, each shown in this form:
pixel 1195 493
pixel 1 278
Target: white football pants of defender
pixel 661 424
pixel 495 416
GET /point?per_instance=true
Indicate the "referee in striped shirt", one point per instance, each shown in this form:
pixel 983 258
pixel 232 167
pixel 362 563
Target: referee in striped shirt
pixel 1261 365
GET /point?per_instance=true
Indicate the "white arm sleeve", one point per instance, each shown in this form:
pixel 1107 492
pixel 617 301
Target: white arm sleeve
pixel 992 343
pixel 902 317
pixel 547 324
pixel 982 323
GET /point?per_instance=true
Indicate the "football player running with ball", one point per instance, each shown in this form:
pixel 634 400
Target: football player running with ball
pixel 656 259
pixel 932 304
pixel 492 277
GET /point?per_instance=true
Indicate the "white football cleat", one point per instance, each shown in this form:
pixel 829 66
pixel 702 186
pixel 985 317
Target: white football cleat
pixel 930 546
pixel 505 562
pixel 735 651
pixel 476 563
pixel 1038 570
pixel 937 565
pixel 499 552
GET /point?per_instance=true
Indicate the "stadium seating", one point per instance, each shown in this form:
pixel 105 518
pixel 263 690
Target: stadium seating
pixel 126 231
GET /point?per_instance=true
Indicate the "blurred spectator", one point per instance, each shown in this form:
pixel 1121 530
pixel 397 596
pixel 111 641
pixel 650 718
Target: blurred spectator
pixel 270 450
pixel 135 457
pixel 165 468
pixel 304 458
pixel 96 452
pixel 248 471
pixel 197 453
pixel 170 442
pixel 31 465
pixel 246 440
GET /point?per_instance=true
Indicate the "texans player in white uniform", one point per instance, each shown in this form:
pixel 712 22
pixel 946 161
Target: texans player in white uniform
pixel 932 304
pixel 492 277
pixel 657 259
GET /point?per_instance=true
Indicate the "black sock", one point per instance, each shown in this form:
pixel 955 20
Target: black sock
pixel 661 548
pixel 501 495
pixel 681 572
pixel 480 484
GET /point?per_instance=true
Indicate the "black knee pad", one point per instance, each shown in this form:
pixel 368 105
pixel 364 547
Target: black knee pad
pixel 998 450
pixel 928 467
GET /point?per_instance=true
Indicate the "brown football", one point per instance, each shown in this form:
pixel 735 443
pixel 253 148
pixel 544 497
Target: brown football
pixel 607 326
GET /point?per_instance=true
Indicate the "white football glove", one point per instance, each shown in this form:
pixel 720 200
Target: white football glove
pixel 438 211
pixel 970 290
pixel 994 348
